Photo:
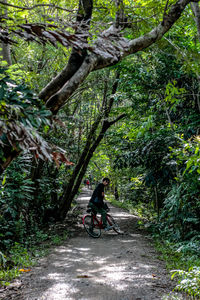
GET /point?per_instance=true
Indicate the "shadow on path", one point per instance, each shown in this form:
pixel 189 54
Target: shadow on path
pixel 118 267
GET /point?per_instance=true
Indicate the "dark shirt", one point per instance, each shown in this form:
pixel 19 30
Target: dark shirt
pixel 97 198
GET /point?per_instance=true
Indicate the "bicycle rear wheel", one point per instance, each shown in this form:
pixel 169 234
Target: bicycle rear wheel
pixel 113 223
pixel 91 226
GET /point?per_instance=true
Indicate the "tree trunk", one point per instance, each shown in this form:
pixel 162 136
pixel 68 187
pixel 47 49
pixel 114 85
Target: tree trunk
pixel 75 182
pixel 116 194
pixel 90 146
pixel 108 49
pixel 6 47
pixel 156 203
pixel 196 11
pixel 6 53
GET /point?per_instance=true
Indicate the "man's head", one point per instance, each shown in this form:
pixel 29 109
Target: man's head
pixel 106 181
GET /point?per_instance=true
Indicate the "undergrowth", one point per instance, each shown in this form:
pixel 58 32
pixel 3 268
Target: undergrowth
pixel 21 257
pixel 139 209
pixel 183 262
pixel 182 257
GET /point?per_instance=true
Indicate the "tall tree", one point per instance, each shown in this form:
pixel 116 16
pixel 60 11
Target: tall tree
pixel 98 129
pixel 94 52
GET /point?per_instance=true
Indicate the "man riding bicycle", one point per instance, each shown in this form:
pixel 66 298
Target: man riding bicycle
pixel 97 204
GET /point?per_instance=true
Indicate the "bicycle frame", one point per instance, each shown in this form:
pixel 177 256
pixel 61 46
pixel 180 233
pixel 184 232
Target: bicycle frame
pixel 98 219
pixel 95 218
pixel 93 224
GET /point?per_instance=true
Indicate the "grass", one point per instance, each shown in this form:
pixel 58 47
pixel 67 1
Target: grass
pixel 21 257
pixel 144 212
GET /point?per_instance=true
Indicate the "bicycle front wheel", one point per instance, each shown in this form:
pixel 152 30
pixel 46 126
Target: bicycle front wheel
pixel 91 226
pixel 112 223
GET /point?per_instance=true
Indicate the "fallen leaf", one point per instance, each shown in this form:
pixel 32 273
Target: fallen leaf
pixel 83 276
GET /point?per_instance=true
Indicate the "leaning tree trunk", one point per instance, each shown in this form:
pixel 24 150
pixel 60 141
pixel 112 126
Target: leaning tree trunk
pixel 72 188
pixel 79 172
pixel 90 146
pixel 76 58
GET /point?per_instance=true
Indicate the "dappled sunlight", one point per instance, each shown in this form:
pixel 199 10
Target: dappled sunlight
pixel 111 268
pixel 127 241
pixel 62 291
pixel 82 249
pixel 117 266
pixel 85 198
pixel 121 214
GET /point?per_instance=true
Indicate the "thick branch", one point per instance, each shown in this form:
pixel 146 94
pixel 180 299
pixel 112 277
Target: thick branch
pixel 35 6
pixel 109 49
pixel 118 47
pixel 196 12
pixel 6 53
pixel 119 20
pixel 117 119
pixel 58 100
pixel 83 18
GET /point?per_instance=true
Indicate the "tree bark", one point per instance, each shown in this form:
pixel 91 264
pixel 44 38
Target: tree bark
pixel 6 53
pixel 76 59
pixel 196 11
pixel 6 47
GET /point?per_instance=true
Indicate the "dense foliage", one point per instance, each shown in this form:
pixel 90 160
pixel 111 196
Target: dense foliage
pixel 136 122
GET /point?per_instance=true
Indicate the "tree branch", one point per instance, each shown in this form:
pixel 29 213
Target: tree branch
pixel 76 58
pixel 117 119
pixel 165 10
pixel 35 6
pixel 196 11
pixel 109 49
pixel 59 99
pixel 112 47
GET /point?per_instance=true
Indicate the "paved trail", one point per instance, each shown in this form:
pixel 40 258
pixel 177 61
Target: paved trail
pixel 117 267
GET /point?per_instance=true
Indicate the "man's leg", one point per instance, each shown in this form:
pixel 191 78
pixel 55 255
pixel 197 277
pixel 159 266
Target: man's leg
pixel 93 207
pixel 103 214
pixel 100 211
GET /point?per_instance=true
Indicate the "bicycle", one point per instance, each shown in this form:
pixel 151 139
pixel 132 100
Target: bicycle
pixel 93 224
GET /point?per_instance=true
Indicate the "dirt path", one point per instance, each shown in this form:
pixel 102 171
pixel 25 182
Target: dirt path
pixel 117 267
